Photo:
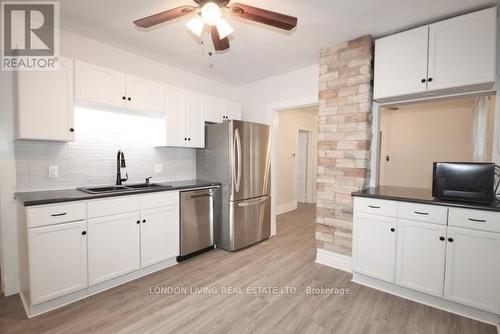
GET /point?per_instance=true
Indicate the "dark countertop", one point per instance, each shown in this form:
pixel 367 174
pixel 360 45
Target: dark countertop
pixel 31 198
pixel 417 195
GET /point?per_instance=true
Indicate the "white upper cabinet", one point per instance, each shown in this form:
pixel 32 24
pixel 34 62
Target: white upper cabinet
pixel 462 51
pixel 99 85
pixel 195 120
pixel 473 269
pixel 185 118
pixel 455 56
pixel 102 86
pixel 214 109
pixel 45 103
pixel 401 63
pixel 233 111
pixel 145 95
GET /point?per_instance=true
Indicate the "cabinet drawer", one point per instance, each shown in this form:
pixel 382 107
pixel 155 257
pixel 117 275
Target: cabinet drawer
pixel 159 200
pixel 423 212
pixel 475 219
pixel 55 214
pixel 375 206
pixel 112 206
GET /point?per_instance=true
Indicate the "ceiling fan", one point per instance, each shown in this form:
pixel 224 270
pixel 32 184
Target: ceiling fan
pixel 209 12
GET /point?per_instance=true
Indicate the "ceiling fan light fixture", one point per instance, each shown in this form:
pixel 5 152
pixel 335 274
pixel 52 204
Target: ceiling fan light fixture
pixel 211 13
pixel 196 25
pixel 224 28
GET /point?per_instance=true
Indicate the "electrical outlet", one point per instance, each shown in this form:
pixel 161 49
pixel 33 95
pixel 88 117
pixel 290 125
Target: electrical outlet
pixel 158 168
pixel 53 172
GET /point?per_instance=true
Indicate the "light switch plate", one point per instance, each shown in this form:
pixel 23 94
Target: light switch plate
pixel 53 172
pixel 158 168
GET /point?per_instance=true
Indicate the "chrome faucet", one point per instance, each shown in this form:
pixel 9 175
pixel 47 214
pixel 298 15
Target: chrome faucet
pixel 120 163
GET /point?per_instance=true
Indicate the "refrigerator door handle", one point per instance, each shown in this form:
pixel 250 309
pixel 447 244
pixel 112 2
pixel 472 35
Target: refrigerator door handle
pixel 238 147
pixel 254 202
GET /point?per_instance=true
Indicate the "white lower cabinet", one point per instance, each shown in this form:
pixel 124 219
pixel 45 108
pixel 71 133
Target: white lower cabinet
pixel 421 255
pixel 159 235
pixel 114 248
pixel 473 269
pixel 57 260
pixel 374 252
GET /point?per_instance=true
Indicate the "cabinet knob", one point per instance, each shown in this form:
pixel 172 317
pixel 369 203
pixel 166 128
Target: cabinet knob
pixel 393 229
pixel 185 139
pixel 129 98
pixel 124 98
pixel 144 221
pixel 450 239
pixel 423 80
pixel 430 79
pixel 189 139
pixel 138 222
pixel 84 232
pixel 441 238
pixel 71 130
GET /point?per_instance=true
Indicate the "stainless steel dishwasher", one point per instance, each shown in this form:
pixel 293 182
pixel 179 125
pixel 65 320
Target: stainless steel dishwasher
pixel 198 209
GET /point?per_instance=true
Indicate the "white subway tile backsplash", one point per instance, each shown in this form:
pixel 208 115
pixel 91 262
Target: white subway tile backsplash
pixel 91 158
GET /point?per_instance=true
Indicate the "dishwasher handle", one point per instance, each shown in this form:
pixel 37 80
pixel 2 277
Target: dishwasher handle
pixel 202 195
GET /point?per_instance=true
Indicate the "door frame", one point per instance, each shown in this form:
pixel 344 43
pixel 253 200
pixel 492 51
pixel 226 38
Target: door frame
pixel 274 109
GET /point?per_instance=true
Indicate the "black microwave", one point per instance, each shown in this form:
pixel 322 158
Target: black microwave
pixel 464 181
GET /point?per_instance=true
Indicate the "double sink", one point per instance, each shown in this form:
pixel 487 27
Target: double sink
pixel 117 189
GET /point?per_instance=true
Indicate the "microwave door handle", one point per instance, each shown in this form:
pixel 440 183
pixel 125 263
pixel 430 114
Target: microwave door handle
pixel 238 147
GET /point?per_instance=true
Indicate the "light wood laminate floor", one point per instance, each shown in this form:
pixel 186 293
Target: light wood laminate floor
pixel 286 260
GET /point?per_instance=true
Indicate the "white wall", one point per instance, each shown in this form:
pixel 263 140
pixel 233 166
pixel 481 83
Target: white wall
pixel 294 89
pixel 496 142
pixel 290 122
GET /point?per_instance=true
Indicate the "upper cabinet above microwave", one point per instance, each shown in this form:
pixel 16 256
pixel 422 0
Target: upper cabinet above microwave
pixel 101 86
pixel 454 56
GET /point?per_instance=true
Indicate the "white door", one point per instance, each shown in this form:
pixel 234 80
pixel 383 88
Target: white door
pixel 214 109
pixel 57 260
pixel 145 95
pixel 114 246
pixel 159 235
pixel 301 159
pixel 401 63
pixel 233 111
pixel 421 250
pixel 462 50
pixel 99 85
pixel 473 268
pixel 176 117
pixel 195 119
pixel 374 249
pixel 45 103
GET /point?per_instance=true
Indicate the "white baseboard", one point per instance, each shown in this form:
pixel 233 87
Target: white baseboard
pixel 282 208
pixel 334 260
pixel 422 298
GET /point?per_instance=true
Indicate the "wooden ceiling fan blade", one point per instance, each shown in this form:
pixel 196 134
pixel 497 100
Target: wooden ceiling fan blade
pixel 152 20
pixel 267 17
pixel 219 44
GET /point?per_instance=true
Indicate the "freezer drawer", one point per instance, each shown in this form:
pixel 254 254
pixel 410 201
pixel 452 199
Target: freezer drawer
pixel 250 221
pixel 197 212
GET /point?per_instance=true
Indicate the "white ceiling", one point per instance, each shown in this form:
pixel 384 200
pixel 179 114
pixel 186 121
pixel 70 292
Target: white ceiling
pixel 256 51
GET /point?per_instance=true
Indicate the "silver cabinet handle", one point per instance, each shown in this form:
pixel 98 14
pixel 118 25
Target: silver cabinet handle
pixel 477 220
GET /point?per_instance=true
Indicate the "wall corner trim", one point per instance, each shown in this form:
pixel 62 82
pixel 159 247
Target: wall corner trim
pixel 334 260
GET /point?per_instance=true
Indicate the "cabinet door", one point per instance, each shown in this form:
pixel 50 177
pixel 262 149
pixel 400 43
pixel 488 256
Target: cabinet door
pixel 114 248
pixel 420 263
pixel 195 120
pixel 214 109
pixel 401 64
pixel 159 235
pixel 145 95
pixel 374 251
pixel 176 117
pixel 99 85
pixel 57 260
pixel 233 111
pixel 462 50
pixel 473 269
pixel 45 103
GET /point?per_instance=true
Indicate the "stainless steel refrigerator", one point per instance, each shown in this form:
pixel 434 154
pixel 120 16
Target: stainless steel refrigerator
pixel 238 155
